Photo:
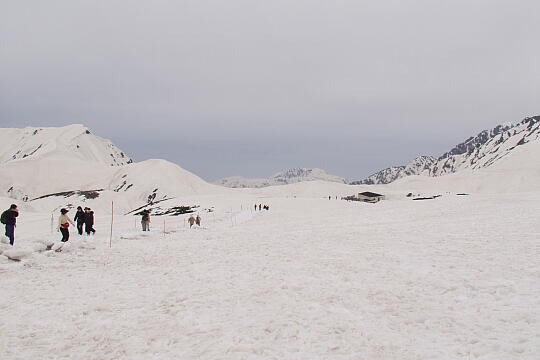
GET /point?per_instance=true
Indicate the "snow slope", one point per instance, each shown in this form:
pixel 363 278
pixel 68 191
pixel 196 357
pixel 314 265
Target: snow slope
pixel 73 142
pixel 419 166
pixel 309 279
pixel 67 166
pixel 518 171
pixel 478 152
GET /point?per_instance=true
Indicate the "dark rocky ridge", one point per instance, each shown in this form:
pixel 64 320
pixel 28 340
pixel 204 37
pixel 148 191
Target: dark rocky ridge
pixel 480 151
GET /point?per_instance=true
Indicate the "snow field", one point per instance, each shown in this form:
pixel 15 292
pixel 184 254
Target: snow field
pixel 451 278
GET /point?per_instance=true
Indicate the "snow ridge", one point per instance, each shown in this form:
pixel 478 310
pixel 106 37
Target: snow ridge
pixel 419 166
pixel 290 176
pixel 68 142
pixel 480 151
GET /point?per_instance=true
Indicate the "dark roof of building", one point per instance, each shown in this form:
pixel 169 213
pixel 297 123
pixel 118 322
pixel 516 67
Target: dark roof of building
pixel 370 194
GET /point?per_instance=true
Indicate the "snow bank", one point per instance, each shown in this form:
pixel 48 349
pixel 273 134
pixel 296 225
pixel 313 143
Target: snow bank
pixel 17 254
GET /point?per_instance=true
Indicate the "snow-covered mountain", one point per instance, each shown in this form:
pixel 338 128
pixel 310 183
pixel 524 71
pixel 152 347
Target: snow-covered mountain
pixel 290 176
pixel 69 142
pixel 242 182
pixel 480 151
pixel 487 147
pixel 419 166
pixel 46 167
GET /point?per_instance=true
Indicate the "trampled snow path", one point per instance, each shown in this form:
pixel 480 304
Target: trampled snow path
pixel 452 278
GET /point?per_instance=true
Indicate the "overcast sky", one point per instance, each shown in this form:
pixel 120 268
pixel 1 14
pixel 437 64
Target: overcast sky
pixel 247 87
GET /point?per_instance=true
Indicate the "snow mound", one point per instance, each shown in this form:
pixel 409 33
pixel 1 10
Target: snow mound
pixel 4 247
pixel 17 254
pixel 4 239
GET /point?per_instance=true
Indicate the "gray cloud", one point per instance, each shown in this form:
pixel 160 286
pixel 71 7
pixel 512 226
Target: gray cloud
pixel 252 87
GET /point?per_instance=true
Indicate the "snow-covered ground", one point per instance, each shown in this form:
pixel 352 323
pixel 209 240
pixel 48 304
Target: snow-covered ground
pixel 452 278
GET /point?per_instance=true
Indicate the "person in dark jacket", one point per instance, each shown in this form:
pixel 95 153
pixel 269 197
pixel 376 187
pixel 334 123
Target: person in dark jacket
pixel 89 221
pixel 145 220
pixel 79 218
pixel 10 217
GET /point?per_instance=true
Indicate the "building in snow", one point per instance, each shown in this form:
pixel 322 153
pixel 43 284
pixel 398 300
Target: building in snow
pixel 368 196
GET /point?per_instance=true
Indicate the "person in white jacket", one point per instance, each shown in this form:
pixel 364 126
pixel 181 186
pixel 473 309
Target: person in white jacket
pixel 63 224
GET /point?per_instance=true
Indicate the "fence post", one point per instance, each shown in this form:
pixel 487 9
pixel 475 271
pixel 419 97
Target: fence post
pixel 112 222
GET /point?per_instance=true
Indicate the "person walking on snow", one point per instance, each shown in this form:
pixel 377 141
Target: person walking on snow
pixel 79 219
pixel 89 221
pixel 9 219
pixel 145 220
pixel 191 221
pixel 255 207
pixel 260 207
pixel 63 224
pixel 198 220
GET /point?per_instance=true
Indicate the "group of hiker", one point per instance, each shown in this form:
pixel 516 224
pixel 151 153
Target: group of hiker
pixel 262 207
pixel 84 219
pixel 145 220
pixel 194 220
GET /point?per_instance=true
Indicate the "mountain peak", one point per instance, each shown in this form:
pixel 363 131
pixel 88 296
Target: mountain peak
pixel 71 142
pixel 289 176
pixel 480 151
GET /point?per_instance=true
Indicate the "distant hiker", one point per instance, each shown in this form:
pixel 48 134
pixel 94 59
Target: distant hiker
pixel 8 218
pixel 145 220
pixel 329 198
pixel 260 207
pixel 191 221
pixel 255 207
pixel 79 218
pixel 198 220
pixel 63 224
pixel 89 221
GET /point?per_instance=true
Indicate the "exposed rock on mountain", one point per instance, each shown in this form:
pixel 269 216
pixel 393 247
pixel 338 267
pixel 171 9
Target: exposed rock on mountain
pixel 419 166
pixel 69 165
pixel 480 151
pixel 69 142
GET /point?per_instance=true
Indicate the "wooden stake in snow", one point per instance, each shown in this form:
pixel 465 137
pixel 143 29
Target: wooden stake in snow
pixel 112 222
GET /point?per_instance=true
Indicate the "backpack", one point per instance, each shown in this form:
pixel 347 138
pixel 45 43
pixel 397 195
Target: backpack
pixel 3 218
